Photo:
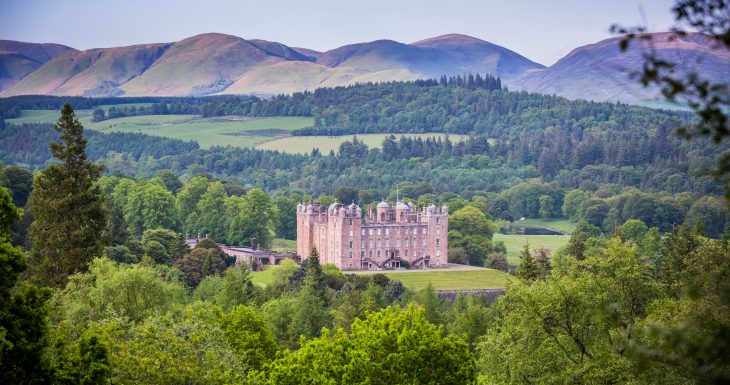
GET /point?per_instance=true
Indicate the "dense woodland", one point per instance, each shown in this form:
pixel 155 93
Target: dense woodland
pixel 122 300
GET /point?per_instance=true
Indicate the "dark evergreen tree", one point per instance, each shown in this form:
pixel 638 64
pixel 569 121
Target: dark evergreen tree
pixel 67 207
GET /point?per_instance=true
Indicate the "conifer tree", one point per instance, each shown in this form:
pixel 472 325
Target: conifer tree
pixel 528 269
pixel 315 277
pixel 67 206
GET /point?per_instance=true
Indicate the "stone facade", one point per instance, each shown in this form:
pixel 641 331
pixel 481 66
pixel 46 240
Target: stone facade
pixel 381 239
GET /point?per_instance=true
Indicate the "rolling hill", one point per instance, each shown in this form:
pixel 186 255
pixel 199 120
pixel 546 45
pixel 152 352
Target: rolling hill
pixel 18 59
pixel 601 72
pixel 215 63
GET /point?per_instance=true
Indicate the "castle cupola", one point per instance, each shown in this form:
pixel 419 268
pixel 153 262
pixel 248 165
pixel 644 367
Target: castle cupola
pixel 401 212
pixel 382 213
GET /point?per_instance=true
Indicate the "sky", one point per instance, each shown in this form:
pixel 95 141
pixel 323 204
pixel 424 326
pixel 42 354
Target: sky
pixel 543 31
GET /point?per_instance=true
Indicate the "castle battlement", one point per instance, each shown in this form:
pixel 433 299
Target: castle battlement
pixel 384 237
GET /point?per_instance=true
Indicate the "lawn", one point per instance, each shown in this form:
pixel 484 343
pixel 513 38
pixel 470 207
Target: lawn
pixel 563 225
pixel 452 280
pixel 515 243
pixel 264 278
pixel 284 245
pixel 305 144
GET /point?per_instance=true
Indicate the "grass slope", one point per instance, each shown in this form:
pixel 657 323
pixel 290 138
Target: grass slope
pixel 563 225
pixel 515 243
pixel 219 131
pixel 452 280
pixel 305 144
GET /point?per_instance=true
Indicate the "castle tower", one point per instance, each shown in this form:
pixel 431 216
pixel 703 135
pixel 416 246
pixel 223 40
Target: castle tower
pixel 305 224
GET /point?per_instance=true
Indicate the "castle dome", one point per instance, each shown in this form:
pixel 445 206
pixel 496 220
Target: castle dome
pixel 333 206
pixel 401 206
pixel 383 205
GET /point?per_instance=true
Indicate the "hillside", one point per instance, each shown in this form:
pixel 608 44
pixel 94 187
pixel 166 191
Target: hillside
pixel 602 72
pixel 215 63
pixel 222 64
pixel 18 59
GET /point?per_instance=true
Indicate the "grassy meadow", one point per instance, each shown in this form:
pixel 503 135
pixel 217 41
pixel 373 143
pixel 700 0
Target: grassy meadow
pixel 563 225
pixel 451 279
pixel 305 144
pixel 515 243
pixel 439 279
pixel 270 133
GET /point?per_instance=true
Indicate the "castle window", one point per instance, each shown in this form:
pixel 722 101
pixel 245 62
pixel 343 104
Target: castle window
pixel 378 244
pixel 423 230
pixel 438 220
pixel 437 242
pixel 378 231
pixel 387 243
pixel 362 232
pixel 350 232
pixel 407 242
pixel 350 246
pixel 382 217
pixel 387 231
pixel 438 253
pixel 438 231
pixel 350 222
pixel 370 253
pixel 406 253
pixel 351 255
pixel 362 254
pixel 378 253
pixel 415 231
pixel 370 231
pixel 397 243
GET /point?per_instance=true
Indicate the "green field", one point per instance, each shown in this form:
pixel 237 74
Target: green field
pixel 234 131
pixel 271 133
pixel 440 279
pixel 263 278
pixel 515 243
pixel 237 131
pixel 563 225
pixel 47 116
pixel 305 144
pixel 284 245
pixel 452 280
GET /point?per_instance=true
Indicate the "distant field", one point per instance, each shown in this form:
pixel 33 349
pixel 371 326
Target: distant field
pixel 47 116
pixel 563 225
pixel 235 131
pixel 219 131
pixel 452 280
pixel 515 243
pixel 305 144
pixel 284 245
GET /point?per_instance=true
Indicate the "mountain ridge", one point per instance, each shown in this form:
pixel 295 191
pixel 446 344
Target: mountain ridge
pixel 216 63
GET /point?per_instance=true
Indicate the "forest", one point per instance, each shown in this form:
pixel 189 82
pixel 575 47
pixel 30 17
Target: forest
pixel 102 289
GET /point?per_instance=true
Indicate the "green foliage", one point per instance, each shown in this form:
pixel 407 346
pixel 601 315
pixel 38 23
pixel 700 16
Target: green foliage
pixel 528 269
pixel 67 207
pixel 199 263
pixel 572 327
pixel 109 290
pixel 23 309
pixel 236 288
pixel 249 336
pixel 470 229
pixel 149 206
pixel 392 346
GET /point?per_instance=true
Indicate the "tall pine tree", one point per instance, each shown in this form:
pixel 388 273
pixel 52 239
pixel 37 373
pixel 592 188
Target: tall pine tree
pixel 67 206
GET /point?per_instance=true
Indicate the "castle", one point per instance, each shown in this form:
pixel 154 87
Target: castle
pixel 386 238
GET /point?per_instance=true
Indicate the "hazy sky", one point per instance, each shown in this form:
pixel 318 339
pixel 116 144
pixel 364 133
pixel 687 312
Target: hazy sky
pixel 543 31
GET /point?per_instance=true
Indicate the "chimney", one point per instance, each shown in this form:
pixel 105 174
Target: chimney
pixel 254 243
